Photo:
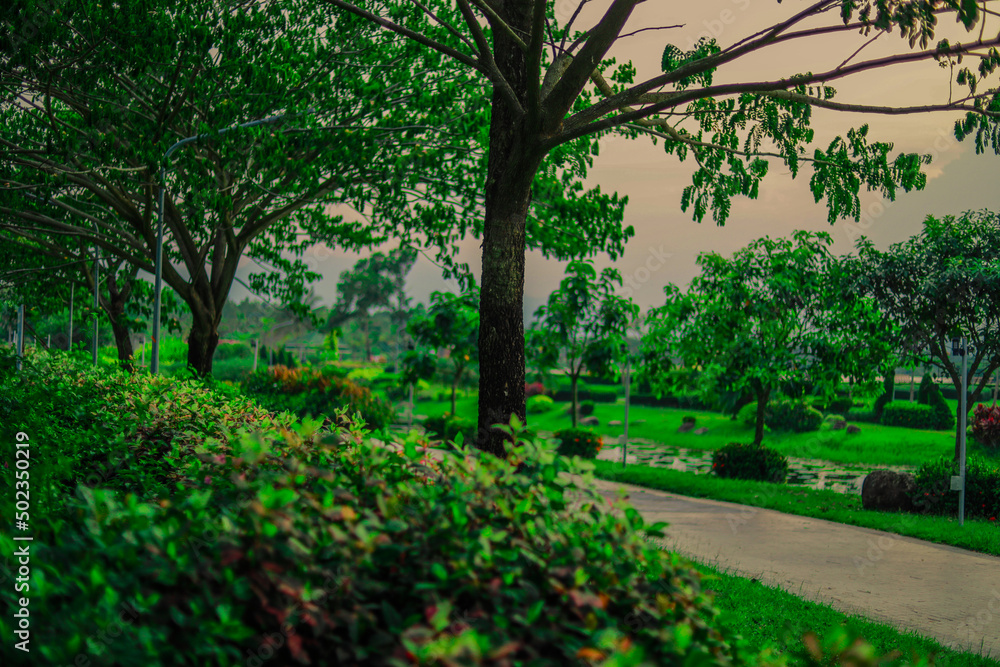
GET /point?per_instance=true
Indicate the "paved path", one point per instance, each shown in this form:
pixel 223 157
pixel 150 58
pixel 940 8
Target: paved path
pixel 942 592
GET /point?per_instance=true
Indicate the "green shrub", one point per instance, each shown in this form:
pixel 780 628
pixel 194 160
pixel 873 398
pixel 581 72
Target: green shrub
pixel 270 560
pixel 538 404
pixel 587 408
pixel 783 415
pixel 308 392
pixel 757 462
pixel 944 417
pixel 861 415
pixel 688 419
pixel 227 351
pixel 579 442
pixel 235 369
pixel 909 415
pixel 933 494
pixel 448 426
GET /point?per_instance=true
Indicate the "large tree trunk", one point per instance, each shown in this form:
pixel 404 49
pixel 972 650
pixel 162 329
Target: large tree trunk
pixel 514 159
pixel 203 340
pixel 762 396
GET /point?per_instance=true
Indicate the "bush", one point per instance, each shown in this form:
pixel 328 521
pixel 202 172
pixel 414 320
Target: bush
pixel 783 415
pixel 579 442
pixel 533 389
pixel 587 393
pixel 933 494
pixel 269 557
pixel 688 419
pixel 539 404
pixel 448 426
pixel 909 415
pixel 587 408
pixel 227 351
pixel 756 462
pixel 986 426
pixel 234 369
pixel 861 415
pixel 944 417
pixel 307 392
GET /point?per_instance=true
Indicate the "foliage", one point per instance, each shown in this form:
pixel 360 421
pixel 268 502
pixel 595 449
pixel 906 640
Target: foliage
pixel 587 408
pixel 587 392
pixel 985 426
pixel 108 428
pixel 539 404
pixel 448 426
pixel 450 325
pixel 308 392
pixel 773 314
pixel 533 389
pixel 889 387
pixel 584 322
pixel 756 462
pixel 579 442
pixel 982 487
pixel 786 414
pixel 909 415
pixel 939 284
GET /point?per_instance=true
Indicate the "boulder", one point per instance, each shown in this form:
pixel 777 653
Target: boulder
pixel 589 421
pixel 685 427
pixel 852 429
pixel 888 491
pixel 838 424
pixel 614 422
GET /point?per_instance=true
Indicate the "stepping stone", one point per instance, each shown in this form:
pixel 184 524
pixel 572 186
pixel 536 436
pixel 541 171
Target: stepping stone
pixel 687 426
pixel 614 423
pixel 701 431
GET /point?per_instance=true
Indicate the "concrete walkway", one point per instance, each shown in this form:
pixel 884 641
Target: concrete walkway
pixel 942 592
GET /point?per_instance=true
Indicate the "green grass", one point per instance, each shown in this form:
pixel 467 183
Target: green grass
pixel 975 535
pixel 767 617
pixel 874 446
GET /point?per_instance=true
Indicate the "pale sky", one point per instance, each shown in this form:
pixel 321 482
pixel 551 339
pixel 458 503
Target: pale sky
pixel 667 240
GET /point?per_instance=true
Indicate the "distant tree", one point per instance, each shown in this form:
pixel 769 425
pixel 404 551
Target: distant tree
pixel 770 315
pixel 583 326
pixel 371 286
pixel 449 325
pixel 940 284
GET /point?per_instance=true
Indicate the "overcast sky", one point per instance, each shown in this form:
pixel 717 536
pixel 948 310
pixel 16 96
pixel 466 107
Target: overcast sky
pixel 667 241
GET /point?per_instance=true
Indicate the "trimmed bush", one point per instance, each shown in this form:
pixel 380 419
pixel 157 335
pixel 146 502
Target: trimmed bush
pixel 783 415
pixel 944 417
pixel 226 351
pixel 909 415
pixel 587 393
pixel 579 442
pixel 757 462
pixel 688 419
pixel 539 404
pixel 448 426
pixel 587 408
pixel 982 492
pixel 986 426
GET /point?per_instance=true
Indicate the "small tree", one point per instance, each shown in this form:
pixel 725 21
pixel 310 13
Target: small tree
pixel 942 283
pixel 451 324
pixel 771 315
pixel 584 322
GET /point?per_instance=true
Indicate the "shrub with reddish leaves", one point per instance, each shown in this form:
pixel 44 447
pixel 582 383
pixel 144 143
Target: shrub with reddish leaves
pixel 986 425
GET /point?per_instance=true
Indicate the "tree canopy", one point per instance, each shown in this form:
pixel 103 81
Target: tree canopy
pixel 552 84
pixel 352 117
pixel 771 315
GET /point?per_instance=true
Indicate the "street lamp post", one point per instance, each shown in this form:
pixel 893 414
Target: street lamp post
pixel 960 347
pixel 154 364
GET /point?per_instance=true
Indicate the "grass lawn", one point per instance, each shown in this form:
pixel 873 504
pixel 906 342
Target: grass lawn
pixel 874 446
pixel 768 617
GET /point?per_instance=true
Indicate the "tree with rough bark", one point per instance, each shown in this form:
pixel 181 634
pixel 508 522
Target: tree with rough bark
pixel 371 285
pixel 583 326
pixel 940 284
pixel 353 117
pixel 450 325
pixel 772 315
pixel 553 84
